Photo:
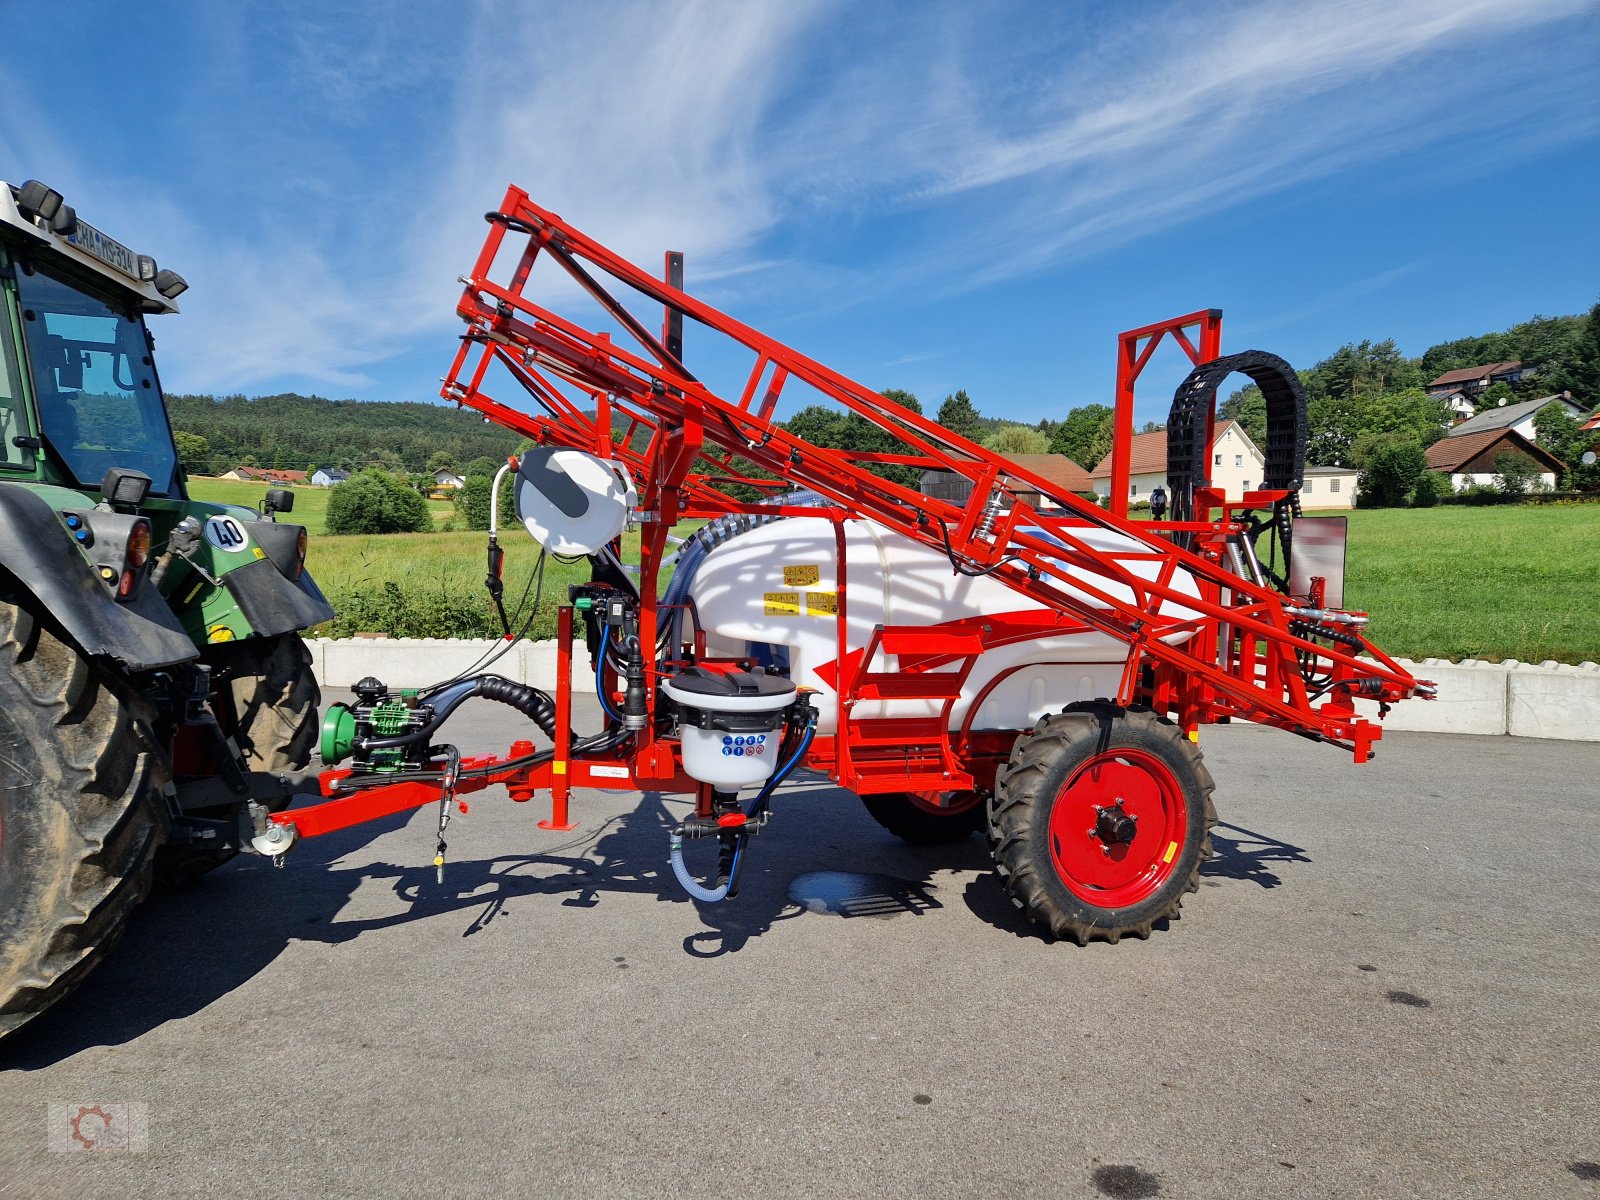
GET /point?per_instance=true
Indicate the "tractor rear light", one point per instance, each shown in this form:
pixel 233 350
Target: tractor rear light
pixel 134 556
pixel 299 554
pixel 138 551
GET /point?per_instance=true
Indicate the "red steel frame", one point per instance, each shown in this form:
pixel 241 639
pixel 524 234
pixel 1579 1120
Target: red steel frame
pixel 687 447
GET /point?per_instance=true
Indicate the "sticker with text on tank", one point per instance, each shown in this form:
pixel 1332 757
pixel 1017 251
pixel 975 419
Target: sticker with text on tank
pixel 227 533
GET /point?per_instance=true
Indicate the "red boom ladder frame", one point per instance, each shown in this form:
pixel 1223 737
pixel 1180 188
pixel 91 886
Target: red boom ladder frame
pixel 1239 650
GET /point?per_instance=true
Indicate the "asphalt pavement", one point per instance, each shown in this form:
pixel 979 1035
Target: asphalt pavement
pixel 1386 987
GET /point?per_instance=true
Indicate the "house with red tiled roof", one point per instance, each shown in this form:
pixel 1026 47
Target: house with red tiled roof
pixel 1052 468
pixel 266 475
pixel 1470 458
pixel 1236 464
pixel 1473 381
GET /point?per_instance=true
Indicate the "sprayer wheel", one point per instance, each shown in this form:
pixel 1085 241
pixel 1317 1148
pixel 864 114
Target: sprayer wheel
pixel 928 818
pixel 1102 820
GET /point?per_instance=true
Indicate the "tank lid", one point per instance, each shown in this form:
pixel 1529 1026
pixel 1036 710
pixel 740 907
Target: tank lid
pixel 702 681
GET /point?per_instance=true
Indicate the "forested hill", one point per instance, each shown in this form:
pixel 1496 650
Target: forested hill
pixel 296 432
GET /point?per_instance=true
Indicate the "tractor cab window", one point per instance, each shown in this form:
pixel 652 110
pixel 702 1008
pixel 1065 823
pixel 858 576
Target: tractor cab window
pixel 99 403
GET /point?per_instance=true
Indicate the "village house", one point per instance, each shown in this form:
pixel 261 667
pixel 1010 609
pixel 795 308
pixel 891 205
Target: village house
pixel 266 475
pixel 1471 457
pixel 1328 487
pixel 1236 464
pixel 328 476
pixel 1472 382
pixel 1053 468
pixel 1518 417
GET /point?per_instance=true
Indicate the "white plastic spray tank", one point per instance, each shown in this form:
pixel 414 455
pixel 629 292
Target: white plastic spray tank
pixel 776 586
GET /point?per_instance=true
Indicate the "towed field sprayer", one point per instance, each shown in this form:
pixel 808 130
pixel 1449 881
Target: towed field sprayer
pixel 1019 661
pixel 1022 662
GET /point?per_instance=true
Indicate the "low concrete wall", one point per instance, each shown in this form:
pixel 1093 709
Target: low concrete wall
pixel 421 662
pixel 1549 700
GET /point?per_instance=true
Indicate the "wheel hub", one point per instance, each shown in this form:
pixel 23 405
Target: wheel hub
pixel 1114 826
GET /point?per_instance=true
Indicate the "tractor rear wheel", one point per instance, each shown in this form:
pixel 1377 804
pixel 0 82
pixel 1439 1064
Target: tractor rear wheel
pixel 266 697
pixel 82 812
pixel 1102 820
pixel 928 818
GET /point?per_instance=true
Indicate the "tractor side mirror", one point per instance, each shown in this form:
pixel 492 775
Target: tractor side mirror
pixel 279 500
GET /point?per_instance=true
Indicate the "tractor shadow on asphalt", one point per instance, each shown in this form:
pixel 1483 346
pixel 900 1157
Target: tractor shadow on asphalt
pixel 185 950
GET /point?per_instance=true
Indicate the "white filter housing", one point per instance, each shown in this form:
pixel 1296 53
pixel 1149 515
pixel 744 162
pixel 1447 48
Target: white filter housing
pixel 777 584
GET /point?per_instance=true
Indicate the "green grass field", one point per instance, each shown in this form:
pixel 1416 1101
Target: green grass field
pixel 1445 582
pixel 310 503
pixel 1492 583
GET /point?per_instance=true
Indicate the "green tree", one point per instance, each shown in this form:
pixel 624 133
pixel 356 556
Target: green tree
pixel 1248 407
pixel 1391 472
pixel 194 452
pixel 441 460
pixel 1430 486
pixel 960 416
pixel 903 398
pixel 1084 435
pixel 1017 439
pixel 834 429
pixel 1496 395
pixel 472 501
pixel 1515 474
pixel 484 465
pixel 1362 369
pixel 376 502
pixel 1585 370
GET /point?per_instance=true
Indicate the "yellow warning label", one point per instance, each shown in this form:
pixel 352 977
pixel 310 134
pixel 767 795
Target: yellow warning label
pixel 1194 736
pixel 802 576
pixel 782 604
pixel 822 604
pixel 258 551
pixel 219 633
pixel 558 768
pixel 1172 848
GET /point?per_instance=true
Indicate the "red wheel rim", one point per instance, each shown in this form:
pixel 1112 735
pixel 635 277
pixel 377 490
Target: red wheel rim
pixel 930 802
pixel 1095 807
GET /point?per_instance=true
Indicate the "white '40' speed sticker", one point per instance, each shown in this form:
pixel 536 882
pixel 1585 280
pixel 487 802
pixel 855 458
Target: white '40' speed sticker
pixel 227 533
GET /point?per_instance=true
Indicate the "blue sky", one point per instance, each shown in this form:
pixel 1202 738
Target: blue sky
pixel 924 195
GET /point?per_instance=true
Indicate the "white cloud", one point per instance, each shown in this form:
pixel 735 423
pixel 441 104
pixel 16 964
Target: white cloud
pixel 326 187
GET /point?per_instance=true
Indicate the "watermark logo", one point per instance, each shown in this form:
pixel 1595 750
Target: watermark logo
pixel 120 1127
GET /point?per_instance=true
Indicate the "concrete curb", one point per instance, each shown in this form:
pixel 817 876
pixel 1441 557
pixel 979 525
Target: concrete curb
pixel 1550 700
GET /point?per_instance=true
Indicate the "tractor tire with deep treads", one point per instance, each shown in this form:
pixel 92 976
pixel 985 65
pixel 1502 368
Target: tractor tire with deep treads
pixel 1101 822
pixel 267 698
pixel 920 819
pixel 82 813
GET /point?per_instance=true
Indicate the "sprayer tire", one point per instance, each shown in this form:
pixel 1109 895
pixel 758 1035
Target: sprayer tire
pixel 1060 863
pixel 921 820
pixel 81 813
pixel 267 697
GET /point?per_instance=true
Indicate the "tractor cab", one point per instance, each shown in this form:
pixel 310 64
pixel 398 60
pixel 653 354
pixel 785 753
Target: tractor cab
pixel 79 393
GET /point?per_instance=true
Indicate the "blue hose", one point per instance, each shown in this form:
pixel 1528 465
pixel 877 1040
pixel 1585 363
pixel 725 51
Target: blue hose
pixel 675 854
pixel 599 673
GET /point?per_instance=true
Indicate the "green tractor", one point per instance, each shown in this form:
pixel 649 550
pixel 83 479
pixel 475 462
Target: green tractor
pixel 156 697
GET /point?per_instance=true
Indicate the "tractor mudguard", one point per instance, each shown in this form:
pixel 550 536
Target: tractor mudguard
pixel 273 604
pixel 39 556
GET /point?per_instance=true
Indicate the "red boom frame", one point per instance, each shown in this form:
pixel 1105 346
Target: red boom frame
pixel 687 447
